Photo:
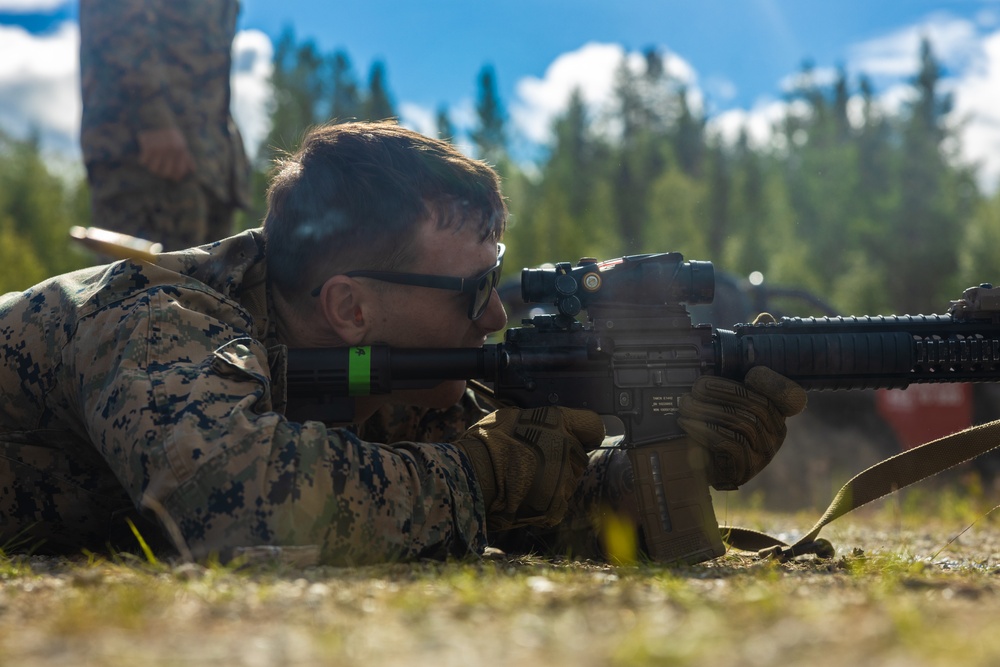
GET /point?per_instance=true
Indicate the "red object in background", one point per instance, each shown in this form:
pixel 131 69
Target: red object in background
pixel 924 412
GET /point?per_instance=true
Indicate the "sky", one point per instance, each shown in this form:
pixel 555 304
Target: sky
pixel 737 58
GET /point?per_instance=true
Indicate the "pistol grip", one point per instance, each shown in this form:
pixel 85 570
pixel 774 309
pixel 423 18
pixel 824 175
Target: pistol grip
pixel 675 504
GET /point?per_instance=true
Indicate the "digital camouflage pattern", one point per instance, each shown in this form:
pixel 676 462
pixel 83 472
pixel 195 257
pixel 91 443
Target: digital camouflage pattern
pixel 154 64
pixel 139 386
pixel 135 386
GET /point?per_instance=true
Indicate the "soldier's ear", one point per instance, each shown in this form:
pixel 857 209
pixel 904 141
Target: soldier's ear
pixel 345 304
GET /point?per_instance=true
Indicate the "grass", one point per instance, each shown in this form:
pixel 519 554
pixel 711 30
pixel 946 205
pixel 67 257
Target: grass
pixel 907 587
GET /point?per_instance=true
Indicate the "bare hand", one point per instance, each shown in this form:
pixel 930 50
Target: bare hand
pixel 164 152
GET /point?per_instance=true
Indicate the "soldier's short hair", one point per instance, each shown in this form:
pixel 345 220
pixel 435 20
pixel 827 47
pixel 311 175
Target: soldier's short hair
pixel 354 194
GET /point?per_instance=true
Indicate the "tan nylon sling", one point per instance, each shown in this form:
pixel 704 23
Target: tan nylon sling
pixel 876 482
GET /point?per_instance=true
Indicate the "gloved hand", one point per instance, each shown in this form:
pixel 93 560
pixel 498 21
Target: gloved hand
pixel 528 462
pixel 741 425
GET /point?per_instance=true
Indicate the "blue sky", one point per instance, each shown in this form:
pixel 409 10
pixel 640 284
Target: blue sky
pixel 736 55
pixel 433 50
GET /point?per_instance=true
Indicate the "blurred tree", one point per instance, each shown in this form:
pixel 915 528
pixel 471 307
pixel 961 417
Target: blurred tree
pixel 687 135
pixel 377 104
pixel 445 128
pixel 861 285
pixel 573 163
pixel 821 172
pixel 718 211
pixel 841 100
pixel 345 100
pixel 870 213
pixel 638 154
pixel 489 135
pixel 568 207
pixel 979 261
pixel 679 205
pixel 747 249
pixel 936 199
pixel 298 82
pixel 37 209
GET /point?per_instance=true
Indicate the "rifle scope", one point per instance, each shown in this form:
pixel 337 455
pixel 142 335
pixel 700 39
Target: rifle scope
pixel 643 280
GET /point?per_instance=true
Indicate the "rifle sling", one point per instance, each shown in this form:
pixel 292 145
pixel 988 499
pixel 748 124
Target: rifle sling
pixel 876 482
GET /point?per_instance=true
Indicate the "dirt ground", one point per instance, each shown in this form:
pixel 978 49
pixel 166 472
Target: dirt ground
pixel 899 592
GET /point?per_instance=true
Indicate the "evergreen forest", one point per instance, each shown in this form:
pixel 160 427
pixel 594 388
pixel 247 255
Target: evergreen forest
pixel 870 208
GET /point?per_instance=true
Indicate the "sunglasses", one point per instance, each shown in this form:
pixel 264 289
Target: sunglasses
pixel 479 288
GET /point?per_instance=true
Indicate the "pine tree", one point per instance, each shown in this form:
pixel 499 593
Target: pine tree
pixel 934 203
pixel 688 136
pixel 979 261
pixel 298 80
pixel 345 98
pixel 445 128
pixel 821 173
pixel 377 104
pixel 637 155
pixel 489 136
pixel 37 209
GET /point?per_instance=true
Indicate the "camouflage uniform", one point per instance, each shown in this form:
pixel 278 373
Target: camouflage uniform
pixel 139 386
pixel 156 64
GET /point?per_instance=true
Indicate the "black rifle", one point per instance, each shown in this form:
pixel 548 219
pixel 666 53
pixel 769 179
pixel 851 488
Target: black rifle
pixel 638 353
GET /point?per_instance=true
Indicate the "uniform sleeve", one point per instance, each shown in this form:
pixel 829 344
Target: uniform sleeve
pixel 394 423
pixel 180 406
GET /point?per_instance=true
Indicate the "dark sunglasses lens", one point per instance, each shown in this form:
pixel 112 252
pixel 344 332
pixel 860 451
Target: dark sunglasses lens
pixel 484 290
pixel 485 286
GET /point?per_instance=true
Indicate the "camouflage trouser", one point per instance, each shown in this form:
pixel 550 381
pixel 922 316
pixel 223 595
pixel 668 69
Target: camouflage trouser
pixel 180 214
pixel 55 501
pixel 62 497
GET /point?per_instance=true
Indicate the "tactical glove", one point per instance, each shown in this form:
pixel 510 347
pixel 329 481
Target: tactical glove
pixel 741 425
pixel 528 462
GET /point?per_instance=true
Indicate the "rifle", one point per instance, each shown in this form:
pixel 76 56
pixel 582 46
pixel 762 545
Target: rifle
pixel 638 352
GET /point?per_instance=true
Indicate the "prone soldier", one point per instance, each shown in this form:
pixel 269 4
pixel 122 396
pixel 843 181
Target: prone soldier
pixel 156 389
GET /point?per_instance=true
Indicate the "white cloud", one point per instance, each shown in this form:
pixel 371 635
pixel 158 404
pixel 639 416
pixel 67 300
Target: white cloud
pixel 977 108
pixel 988 18
pixel 971 67
pixel 889 61
pixel 720 89
pixel 591 70
pixel 418 118
pixel 424 120
pixel 758 123
pixel 463 117
pixel 40 85
pixel 251 88
pixel 955 43
pixel 823 77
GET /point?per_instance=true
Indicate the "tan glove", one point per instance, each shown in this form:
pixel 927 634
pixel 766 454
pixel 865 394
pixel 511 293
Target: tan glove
pixel 528 462
pixel 741 425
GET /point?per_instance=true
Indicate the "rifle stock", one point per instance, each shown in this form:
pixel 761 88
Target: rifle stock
pixel 639 352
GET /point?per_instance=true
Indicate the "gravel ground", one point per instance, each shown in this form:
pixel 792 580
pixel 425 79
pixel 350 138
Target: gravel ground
pixel 894 595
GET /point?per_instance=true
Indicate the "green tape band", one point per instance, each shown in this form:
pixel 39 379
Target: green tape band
pixel 359 371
